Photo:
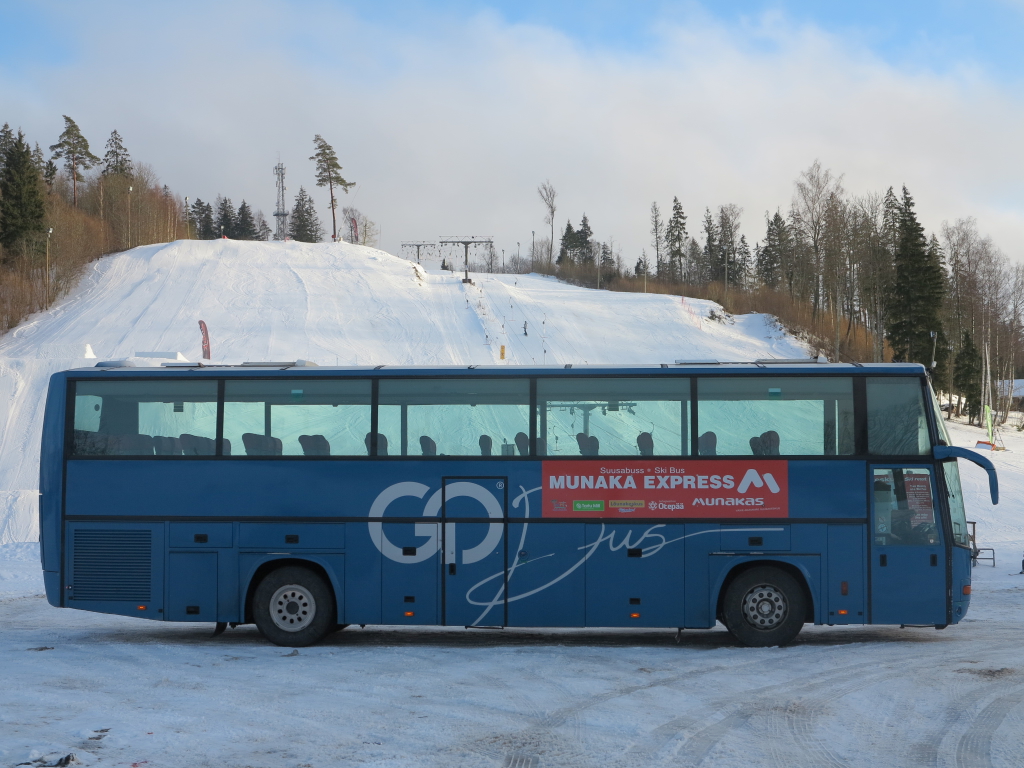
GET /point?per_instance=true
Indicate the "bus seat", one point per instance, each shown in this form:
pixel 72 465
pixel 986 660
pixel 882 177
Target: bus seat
pixel 584 443
pixel 770 443
pixel 314 445
pixel 261 445
pixel 707 444
pixel 595 445
pixel 428 446
pixel 382 444
pixel 131 445
pixel 486 443
pixel 523 443
pixel 645 442
pixel 542 446
pixel 194 445
pixel 167 446
pixel 756 447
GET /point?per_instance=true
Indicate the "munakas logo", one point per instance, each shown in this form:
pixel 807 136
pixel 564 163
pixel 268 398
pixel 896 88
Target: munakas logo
pixel 752 478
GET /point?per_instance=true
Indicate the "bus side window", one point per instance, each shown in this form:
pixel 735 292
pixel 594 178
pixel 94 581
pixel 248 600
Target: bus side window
pixel 896 417
pixel 453 417
pixel 297 417
pixel 141 418
pixel 778 415
pixel 613 416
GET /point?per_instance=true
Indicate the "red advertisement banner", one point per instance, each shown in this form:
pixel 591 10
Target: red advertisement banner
pixel 727 488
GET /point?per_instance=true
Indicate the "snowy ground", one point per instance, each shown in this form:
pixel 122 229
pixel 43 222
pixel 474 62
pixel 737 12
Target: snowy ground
pixel 333 304
pixel 118 692
pixel 125 692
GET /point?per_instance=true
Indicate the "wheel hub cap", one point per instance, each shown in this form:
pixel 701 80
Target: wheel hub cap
pixel 292 608
pixel 765 607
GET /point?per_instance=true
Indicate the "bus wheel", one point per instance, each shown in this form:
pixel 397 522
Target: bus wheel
pixel 293 606
pixel 764 607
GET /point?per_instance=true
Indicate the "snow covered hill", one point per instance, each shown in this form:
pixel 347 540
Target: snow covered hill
pixel 334 304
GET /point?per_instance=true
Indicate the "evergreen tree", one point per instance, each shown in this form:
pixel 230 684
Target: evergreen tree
pixel 711 254
pixel 328 174
pixel 226 221
pixel 263 230
pixel 38 160
pixel 21 196
pixel 245 224
pixel 643 265
pixel 202 220
pixel 918 291
pixel 675 241
pixel 967 376
pixel 304 224
pixel 6 142
pixel 567 245
pixel 74 149
pixel 769 255
pixel 117 159
pixel 658 239
pixel 584 246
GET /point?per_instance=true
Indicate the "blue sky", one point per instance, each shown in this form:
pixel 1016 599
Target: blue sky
pixel 448 114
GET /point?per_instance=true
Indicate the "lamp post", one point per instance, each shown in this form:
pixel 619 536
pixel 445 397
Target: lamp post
pixel 188 228
pixel 47 283
pixel 129 217
pixel 533 250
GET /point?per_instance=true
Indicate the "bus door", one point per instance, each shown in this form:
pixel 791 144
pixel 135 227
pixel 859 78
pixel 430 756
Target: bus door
pixel 908 557
pixel 473 566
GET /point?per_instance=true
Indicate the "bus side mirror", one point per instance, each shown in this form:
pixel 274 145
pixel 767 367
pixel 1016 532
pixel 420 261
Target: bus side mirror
pixel 950 452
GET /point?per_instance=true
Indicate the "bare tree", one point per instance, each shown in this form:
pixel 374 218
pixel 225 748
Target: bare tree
pixel 814 188
pixel 547 196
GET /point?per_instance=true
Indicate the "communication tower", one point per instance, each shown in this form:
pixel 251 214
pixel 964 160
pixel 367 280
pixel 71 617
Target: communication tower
pixel 281 214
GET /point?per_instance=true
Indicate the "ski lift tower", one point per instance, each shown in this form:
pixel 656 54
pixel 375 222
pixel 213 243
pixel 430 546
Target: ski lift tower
pixel 417 244
pixel 281 214
pixel 465 242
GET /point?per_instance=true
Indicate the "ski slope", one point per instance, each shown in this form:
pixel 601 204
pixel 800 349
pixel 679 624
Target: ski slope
pixel 335 305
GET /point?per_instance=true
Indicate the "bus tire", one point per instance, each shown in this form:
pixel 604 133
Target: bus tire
pixel 294 607
pixel 764 607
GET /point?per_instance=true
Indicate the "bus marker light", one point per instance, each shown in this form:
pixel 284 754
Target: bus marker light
pixel 843 611
pixel 141 607
pixel 844 588
pixel 410 613
pixel 634 615
pixel 967 589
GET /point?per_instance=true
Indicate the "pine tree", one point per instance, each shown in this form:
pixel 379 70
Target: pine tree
pixel 22 210
pixel 202 220
pixel 643 265
pixel 38 160
pixel 304 224
pixel 245 224
pixel 967 376
pixel 6 142
pixel 328 174
pixel 658 239
pixel 567 245
pixel 711 268
pixel 769 255
pixel 263 230
pixel 74 149
pixel 117 159
pixel 918 291
pixel 584 246
pixel 226 221
pixel 675 240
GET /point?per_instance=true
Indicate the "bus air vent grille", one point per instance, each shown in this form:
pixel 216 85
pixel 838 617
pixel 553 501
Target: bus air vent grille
pixel 112 565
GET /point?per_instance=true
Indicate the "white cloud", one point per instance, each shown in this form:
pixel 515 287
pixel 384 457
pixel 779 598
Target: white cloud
pixel 450 129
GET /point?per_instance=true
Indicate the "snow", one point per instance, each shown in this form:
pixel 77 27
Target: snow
pixel 125 692
pixel 335 305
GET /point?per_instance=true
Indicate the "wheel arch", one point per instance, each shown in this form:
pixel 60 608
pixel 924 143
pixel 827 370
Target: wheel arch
pixel 272 564
pixel 790 568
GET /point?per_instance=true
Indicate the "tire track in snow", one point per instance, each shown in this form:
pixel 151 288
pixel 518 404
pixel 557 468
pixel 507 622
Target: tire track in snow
pixel 974 749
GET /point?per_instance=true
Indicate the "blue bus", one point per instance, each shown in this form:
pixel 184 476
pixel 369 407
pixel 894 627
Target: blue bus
pixel 305 499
